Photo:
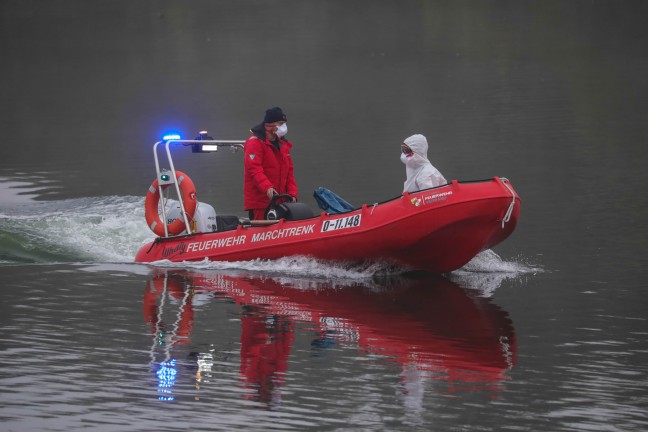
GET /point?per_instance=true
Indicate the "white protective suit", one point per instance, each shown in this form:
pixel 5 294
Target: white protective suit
pixel 420 172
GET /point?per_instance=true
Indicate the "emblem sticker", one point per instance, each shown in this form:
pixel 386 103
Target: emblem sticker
pixel 430 199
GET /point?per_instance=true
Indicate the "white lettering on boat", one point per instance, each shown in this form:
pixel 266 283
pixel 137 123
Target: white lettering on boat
pixel 283 233
pixel 216 243
pixel 430 199
pixel 342 223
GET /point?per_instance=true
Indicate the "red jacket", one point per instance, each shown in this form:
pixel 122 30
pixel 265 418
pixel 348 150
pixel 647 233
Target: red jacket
pixel 266 167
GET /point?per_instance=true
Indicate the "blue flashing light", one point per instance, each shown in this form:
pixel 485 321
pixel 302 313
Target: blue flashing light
pixel 171 136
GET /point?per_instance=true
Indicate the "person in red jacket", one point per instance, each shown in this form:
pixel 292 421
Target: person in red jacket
pixel 269 169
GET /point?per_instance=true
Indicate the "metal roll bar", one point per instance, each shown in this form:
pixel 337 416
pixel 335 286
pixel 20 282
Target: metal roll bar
pixel 234 144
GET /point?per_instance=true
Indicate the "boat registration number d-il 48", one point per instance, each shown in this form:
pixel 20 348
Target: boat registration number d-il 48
pixel 341 223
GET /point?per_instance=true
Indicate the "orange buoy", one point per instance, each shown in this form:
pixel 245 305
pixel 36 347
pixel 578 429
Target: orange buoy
pixel 151 204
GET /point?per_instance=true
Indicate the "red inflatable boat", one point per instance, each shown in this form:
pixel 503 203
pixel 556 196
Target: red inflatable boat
pixel 438 229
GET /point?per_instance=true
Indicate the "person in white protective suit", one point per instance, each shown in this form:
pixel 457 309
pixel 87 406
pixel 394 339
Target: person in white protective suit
pixel 420 172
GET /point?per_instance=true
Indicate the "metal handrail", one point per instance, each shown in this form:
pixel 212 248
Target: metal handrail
pixel 236 144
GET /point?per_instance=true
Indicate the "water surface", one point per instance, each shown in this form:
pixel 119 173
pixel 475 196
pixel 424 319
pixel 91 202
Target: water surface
pixel 545 332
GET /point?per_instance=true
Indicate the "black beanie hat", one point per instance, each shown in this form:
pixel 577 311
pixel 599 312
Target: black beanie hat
pixel 274 114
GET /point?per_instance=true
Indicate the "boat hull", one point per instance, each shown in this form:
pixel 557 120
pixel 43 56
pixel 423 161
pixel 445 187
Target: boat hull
pixel 438 229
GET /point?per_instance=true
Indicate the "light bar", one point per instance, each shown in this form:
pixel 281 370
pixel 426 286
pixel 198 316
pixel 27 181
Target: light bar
pixel 209 147
pixel 171 136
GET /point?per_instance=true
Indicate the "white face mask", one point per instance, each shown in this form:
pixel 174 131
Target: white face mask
pixel 408 160
pixel 282 130
pixel 413 161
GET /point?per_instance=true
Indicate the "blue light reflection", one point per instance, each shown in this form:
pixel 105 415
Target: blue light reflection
pixel 166 379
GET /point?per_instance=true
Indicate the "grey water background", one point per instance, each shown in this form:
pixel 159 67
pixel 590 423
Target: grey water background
pixel 549 94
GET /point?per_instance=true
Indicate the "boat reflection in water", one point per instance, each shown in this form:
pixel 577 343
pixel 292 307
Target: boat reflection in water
pixel 429 326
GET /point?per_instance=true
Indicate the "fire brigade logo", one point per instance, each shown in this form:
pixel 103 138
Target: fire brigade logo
pixel 416 201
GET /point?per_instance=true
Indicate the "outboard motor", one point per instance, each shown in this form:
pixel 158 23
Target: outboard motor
pixel 204 219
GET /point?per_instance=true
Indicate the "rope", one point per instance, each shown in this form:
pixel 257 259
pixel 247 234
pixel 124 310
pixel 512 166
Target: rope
pixel 507 215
